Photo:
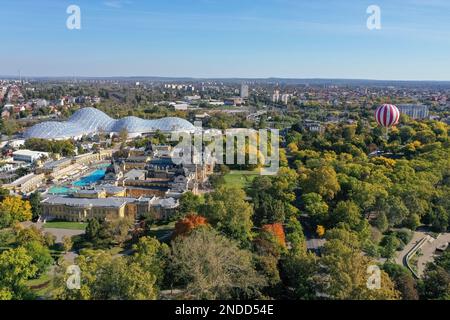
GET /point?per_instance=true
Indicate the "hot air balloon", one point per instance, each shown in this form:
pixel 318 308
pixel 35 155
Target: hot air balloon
pixel 387 116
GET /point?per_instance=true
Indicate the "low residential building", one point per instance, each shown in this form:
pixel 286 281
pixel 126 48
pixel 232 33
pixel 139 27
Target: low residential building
pixel 90 158
pixel 10 166
pixel 236 101
pixel 60 169
pixel 83 209
pixel 26 184
pixel 29 156
pixel 136 162
pixel 162 151
pixel 90 194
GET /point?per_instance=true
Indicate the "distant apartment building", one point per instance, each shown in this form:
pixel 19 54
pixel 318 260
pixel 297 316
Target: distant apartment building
pixel 285 98
pixel 244 91
pixel 276 96
pixel 313 126
pixel 415 111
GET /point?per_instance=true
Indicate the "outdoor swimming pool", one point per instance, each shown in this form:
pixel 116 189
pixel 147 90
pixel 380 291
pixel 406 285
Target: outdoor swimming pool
pixel 60 190
pixel 92 178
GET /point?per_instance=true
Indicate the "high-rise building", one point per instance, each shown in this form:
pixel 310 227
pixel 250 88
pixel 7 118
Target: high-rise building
pixel 244 91
pixel 276 96
pixel 285 98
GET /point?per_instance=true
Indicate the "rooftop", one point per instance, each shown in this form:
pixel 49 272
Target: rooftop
pixel 80 202
pixel 88 121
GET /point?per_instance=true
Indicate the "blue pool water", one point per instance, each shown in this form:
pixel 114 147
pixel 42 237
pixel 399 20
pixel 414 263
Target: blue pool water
pixel 92 178
pixel 60 190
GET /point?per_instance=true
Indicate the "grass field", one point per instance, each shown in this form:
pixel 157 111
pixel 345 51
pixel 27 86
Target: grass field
pixel 240 178
pixel 43 286
pixel 162 232
pixel 65 225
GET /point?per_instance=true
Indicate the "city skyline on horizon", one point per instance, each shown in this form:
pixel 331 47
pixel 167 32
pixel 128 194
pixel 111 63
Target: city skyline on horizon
pixel 280 39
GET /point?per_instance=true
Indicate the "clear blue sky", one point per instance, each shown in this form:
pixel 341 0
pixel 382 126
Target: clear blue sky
pixel 227 38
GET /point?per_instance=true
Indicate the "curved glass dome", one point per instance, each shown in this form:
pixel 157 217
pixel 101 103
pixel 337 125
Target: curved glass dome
pixel 88 121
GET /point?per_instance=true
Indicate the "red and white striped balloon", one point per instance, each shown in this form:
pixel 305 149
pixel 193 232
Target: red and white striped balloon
pixel 387 115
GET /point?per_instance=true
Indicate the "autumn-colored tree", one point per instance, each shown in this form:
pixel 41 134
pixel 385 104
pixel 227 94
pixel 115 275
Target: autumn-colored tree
pixel 320 231
pixel 323 181
pixel 14 209
pixel 187 224
pixel 277 231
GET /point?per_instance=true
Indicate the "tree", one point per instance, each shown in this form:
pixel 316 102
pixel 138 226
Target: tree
pixel 30 234
pixel 41 256
pixel 210 266
pixel 295 236
pixel 3 194
pixel 344 270
pixel 108 278
pixel 67 243
pixel 277 231
pixel 404 281
pixel 315 207
pixel 16 266
pixel 299 271
pixel 35 202
pixel 435 283
pixel 397 212
pixel 347 212
pixel 14 209
pixel 382 222
pixel 320 231
pixel 189 203
pixel 185 226
pixel 10 127
pixel 439 219
pixel 105 233
pixel 152 256
pixel 92 229
pixel 227 210
pixel 323 181
pixel 273 197
pixel 390 245
pixel 123 135
pixel 119 229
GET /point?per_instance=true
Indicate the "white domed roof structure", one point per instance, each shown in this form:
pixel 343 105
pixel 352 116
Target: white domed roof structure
pixel 89 121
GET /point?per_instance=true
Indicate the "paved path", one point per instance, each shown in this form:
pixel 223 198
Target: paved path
pixel 428 250
pixel 400 258
pixel 60 233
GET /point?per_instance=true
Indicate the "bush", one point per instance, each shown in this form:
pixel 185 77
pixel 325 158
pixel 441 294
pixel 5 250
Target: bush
pixel 404 235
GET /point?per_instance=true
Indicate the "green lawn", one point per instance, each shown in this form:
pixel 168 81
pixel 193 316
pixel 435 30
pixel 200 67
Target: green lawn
pixel 240 179
pixel 65 225
pixel 162 231
pixel 43 286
